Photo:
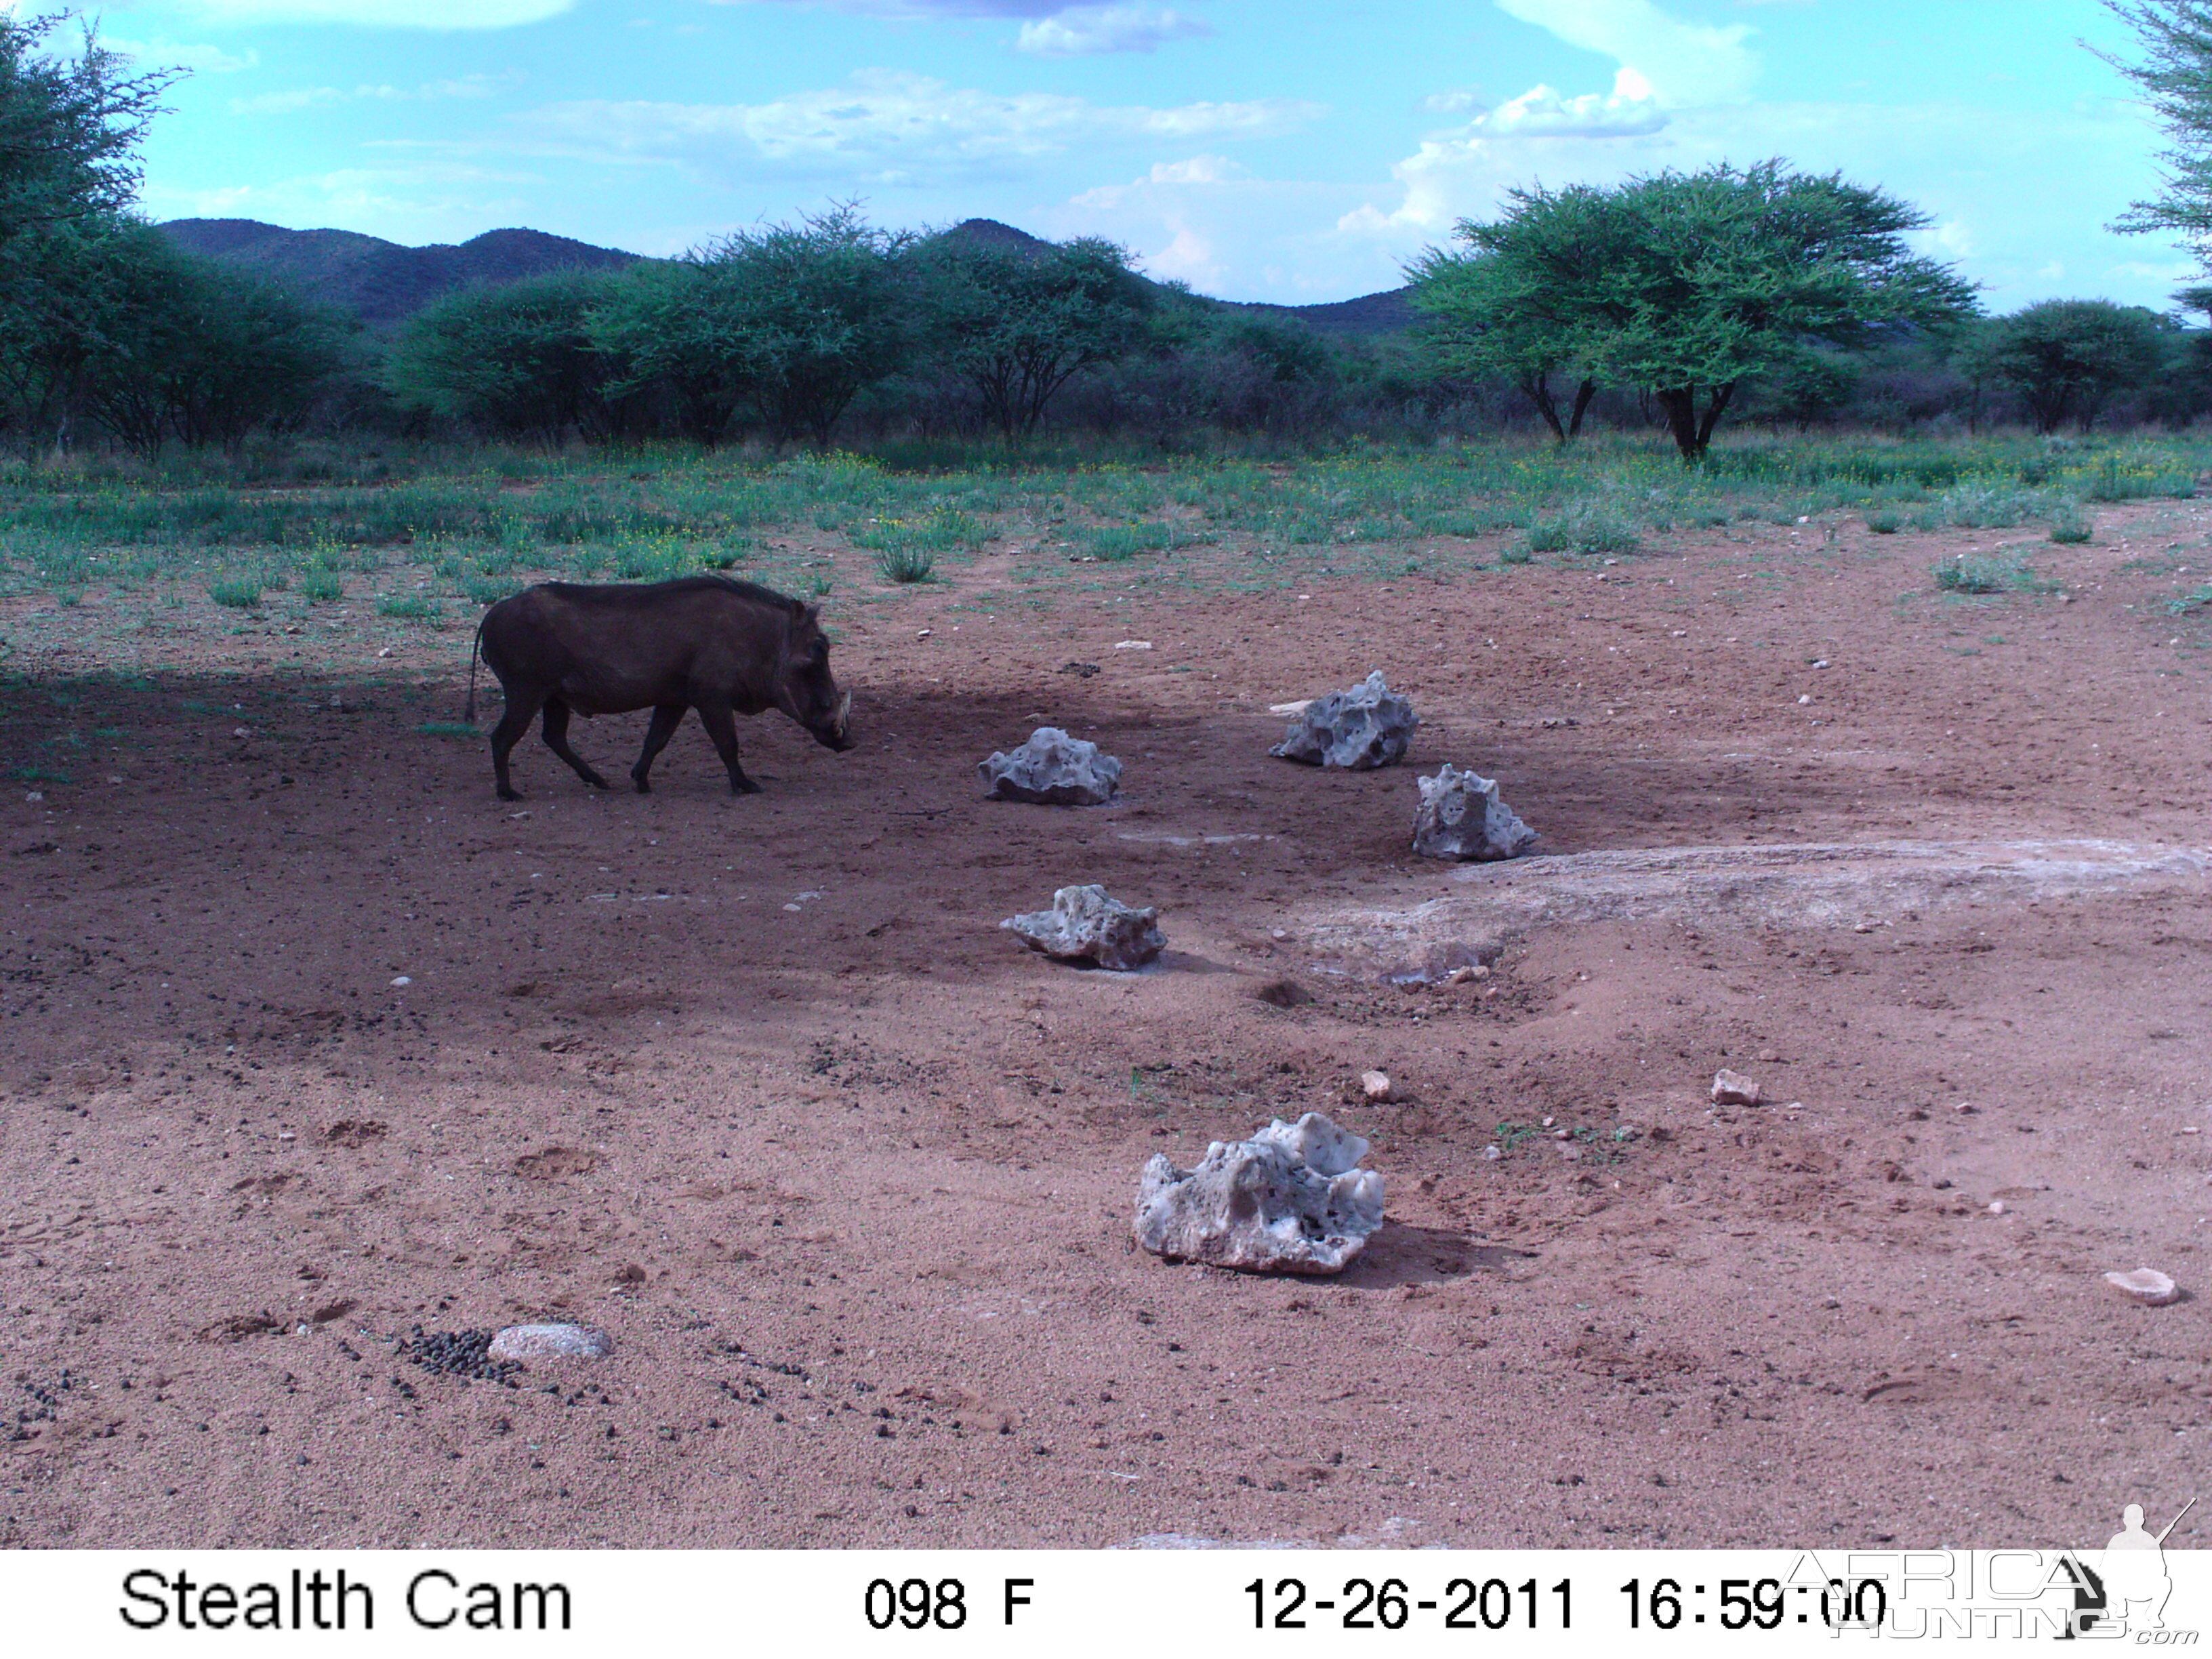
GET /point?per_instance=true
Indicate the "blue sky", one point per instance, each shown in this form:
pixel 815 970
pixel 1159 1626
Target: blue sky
pixel 1289 150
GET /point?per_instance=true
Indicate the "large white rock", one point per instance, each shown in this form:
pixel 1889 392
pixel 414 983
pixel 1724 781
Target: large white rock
pixel 1367 726
pixel 1289 1200
pixel 1052 769
pixel 1460 816
pixel 1083 925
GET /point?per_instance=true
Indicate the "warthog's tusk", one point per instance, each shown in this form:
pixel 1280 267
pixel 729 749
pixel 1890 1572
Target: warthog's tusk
pixel 844 710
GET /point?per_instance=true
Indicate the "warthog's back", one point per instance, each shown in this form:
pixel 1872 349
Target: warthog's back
pixel 612 647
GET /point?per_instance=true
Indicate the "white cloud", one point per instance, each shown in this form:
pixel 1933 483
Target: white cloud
pixel 213 60
pixel 1663 57
pixel 921 9
pixel 1542 111
pixel 439 14
pixel 886 128
pixel 1086 31
pixel 283 103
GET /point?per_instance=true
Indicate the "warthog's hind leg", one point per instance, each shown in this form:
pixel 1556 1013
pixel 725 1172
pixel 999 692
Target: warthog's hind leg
pixel 666 717
pixel 715 717
pixel 556 739
pixel 520 711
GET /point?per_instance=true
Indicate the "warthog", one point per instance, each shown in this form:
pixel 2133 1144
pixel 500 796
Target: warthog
pixel 712 643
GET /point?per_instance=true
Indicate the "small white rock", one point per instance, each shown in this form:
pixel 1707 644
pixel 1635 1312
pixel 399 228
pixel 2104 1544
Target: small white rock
pixel 386 652
pixel 1290 710
pixel 1804 700
pixel 240 732
pixel 1997 1206
pixel 35 796
pixel 1132 645
pixel 2145 1285
pixel 1734 1089
pixel 401 980
pixel 539 1344
pixel 1375 1086
pixel 1491 1154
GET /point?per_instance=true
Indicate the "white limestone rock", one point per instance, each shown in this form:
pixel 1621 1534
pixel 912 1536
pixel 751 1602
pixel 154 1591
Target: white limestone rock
pixel 1052 769
pixel 1460 816
pixel 1367 726
pixel 1084 924
pixel 2146 1286
pixel 543 1345
pixel 1734 1089
pixel 1289 1200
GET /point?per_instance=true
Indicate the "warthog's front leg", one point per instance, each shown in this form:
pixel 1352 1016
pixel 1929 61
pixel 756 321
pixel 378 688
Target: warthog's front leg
pixel 666 717
pixel 556 739
pixel 715 717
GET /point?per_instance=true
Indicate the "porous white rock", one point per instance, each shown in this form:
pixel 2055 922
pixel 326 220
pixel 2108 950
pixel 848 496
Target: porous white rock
pixel 1460 816
pixel 1369 725
pixel 1084 924
pixel 542 1345
pixel 1289 1200
pixel 2146 1285
pixel 1734 1089
pixel 1052 769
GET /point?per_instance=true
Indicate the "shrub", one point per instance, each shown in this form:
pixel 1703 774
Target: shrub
pixel 1969 575
pixel 321 587
pixel 409 607
pixel 906 562
pixel 240 592
pixel 1885 522
pixel 2070 526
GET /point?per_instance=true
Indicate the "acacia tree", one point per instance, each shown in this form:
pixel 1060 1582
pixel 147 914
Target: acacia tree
pixel 1017 322
pixel 1688 284
pixel 516 358
pixel 2067 357
pixel 70 128
pixel 1506 306
pixel 2176 76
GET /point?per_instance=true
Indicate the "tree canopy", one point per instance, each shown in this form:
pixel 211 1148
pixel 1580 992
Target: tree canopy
pixel 2176 77
pixel 1685 283
pixel 2067 357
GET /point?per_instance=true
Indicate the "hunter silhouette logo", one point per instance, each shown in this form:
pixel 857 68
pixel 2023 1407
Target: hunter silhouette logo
pixel 2128 1588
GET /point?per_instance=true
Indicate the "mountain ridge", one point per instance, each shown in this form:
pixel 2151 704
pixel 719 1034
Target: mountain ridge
pixel 385 282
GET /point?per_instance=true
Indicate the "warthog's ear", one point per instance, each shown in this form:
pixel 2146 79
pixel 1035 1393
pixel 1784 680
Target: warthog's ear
pixel 812 613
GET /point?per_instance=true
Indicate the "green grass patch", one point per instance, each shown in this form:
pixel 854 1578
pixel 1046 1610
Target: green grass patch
pixel 2070 527
pixel 906 562
pixel 1969 574
pixel 240 592
pixel 321 587
pixel 447 729
pixel 407 607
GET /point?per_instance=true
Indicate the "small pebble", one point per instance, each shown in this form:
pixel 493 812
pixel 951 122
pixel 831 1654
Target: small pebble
pixel 1491 1154
pixel 1375 1086
pixel 35 796
pixel 2145 1285
pixel 240 732
pixel 386 652
pixel 551 1344
pixel 1132 645
pixel 403 980
pixel 1804 700
pixel 1997 1206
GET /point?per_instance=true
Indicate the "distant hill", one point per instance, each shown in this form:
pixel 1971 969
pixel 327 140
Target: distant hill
pixel 1391 311
pixel 385 282
pixel 381 281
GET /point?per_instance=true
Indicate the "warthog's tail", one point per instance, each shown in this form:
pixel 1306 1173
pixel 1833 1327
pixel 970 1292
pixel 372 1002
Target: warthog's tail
pixel 476 650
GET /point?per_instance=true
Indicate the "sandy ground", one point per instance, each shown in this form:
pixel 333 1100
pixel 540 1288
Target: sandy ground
pixel 759 1087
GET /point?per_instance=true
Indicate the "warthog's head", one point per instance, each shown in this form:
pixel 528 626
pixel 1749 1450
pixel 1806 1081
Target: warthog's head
pixel 805 687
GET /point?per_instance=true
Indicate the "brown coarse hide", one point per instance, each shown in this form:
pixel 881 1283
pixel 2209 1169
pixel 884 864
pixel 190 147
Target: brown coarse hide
pixel 713 643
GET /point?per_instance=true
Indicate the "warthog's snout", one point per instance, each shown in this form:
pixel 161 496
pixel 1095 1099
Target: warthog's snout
pixel 837 733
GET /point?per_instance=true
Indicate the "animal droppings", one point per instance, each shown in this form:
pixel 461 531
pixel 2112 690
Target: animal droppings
pixel 1084 924
pixel 1367 726
pixel 548 1345
pixel 1734 1089
pixel 469 1355
pixel 1460 816
pixel 1288 1200
pixel 2146 1286
pixel 1052 770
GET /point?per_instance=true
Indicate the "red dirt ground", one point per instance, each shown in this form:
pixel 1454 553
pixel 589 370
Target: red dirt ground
pixel 759 1086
